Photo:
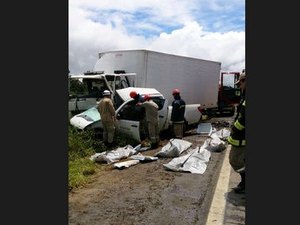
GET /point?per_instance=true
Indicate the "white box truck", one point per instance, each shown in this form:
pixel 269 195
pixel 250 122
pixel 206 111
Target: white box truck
pixel 197 79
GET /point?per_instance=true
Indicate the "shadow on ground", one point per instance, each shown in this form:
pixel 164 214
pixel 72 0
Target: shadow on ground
pixel 236 199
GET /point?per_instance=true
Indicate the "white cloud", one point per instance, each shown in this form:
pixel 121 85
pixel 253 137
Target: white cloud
pixel 227 48
pixel 169 26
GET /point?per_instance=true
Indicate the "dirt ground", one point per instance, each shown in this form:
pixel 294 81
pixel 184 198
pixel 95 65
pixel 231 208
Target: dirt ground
pixel 147 193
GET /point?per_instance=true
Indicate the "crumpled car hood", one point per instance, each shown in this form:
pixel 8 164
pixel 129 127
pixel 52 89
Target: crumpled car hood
pixel 86 118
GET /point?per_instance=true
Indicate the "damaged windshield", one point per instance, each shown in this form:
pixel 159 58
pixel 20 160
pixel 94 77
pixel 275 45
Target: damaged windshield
pixel 87 88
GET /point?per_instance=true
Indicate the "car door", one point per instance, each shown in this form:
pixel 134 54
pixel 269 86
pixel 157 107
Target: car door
pixel 128 121
pixel 162 110
pixel 129 115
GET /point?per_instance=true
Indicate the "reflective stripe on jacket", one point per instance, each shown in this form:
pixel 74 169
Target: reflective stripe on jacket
pixel 237 135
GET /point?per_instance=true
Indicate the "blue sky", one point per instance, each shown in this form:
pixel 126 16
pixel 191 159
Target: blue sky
pixel 206 29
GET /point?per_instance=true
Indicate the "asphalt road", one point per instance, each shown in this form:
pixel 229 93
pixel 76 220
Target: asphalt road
pixel 148 194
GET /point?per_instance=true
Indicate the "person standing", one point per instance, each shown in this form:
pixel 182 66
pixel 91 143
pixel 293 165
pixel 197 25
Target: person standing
pixel 138 99
pixel 237 138
pixel 177 115
pixel 108 118
pixel 151 119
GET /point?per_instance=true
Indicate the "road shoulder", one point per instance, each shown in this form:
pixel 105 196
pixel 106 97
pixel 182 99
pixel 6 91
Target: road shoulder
pixel 227 207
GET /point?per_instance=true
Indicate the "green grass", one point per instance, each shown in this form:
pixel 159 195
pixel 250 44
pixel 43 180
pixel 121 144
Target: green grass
pixel 83 144
pixel 79 172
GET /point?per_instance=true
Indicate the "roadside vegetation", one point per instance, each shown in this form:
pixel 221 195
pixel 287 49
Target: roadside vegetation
pixel 77 87
pixel 83 144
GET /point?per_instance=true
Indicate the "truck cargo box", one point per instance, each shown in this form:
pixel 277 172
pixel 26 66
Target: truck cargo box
pixel 197 79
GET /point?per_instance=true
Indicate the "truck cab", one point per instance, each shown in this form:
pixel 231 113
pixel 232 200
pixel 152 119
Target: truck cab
pixel 229 94
pixel 85 90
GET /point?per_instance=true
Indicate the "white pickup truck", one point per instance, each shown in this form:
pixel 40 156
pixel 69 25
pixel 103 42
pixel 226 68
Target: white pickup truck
pixel 128 115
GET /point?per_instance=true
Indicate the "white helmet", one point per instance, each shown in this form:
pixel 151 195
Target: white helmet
pixel 106 93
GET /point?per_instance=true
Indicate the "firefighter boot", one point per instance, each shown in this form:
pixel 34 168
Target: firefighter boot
pixel 240 189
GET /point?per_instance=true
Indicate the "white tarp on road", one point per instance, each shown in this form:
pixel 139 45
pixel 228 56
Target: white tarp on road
pixel 173 148
pixel 214 142
pixel 222 134
pixel 135 159
pixel 144 158
pixel 194 162
pixel 114 155
pixel 126 164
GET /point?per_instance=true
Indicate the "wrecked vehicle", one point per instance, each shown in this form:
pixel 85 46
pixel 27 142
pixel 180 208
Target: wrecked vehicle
pixel 128 113
pixel 92 84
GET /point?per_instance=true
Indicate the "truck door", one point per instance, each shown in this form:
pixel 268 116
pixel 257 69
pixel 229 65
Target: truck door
pixel 228 92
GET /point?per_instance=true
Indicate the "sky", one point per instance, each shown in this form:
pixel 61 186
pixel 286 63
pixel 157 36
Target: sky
pixel 206 29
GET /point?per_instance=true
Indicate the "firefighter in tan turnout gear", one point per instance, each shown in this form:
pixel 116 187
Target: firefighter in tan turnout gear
pixel 237 138
pixel 151 117
pixel 108 118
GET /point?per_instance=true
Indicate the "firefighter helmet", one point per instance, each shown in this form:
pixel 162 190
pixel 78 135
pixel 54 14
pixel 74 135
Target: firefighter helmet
pixel 133 94
pixel 175 91
pixel 106 93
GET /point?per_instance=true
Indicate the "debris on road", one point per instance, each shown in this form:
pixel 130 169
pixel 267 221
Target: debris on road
pixel 126 164
pixel 195 162
pixel 144 158
pixel 114 155
pixel 204 128
pixel 173 148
